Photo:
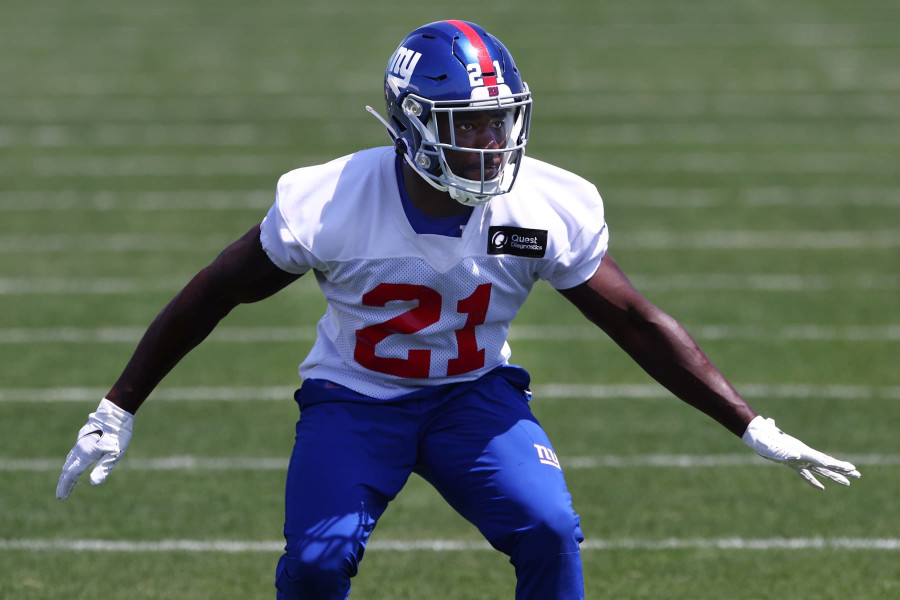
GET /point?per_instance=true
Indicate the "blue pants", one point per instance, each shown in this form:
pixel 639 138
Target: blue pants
pixel 477 443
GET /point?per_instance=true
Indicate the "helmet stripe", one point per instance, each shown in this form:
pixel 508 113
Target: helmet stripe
pixel 484 56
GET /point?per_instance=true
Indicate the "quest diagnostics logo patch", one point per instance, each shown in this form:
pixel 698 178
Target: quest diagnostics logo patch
pixel 517 241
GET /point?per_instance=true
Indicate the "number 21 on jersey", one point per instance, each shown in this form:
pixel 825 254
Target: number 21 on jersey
pixel 417 364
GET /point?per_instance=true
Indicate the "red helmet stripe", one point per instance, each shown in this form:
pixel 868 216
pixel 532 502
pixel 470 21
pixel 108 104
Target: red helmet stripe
pixel 484 57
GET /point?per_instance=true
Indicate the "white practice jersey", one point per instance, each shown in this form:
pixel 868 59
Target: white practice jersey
pixel 408 310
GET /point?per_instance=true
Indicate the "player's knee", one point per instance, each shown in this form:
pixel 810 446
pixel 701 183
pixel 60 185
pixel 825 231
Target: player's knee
pixel 300 579
pixel 554 532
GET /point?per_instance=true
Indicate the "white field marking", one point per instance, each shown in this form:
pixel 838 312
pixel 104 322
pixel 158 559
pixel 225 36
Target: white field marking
pixel 601 81
pixel 737 543
pixel 159 165
pixel 437 545
pixel 112 135
pixel 654 135
pixel 762 196
pixel 873 333
pixel 165 165
pixel 771 282
pixel 647 240
pixel 106 200
pixel 680 198
pixel 129 335
pixel 749 390
pixel 244 463
pixel 52 286
pixel 560 391
pixel 777 109
pixel 810 163
pixel 79 286
pixel 685 35
pixel 662 197
pixel 253 335
pixel 691 461
pixel 171 463
pixel 155 134
pixel 725 240
pixel 14 243
pixel 626 95
pixel 142 110
pixel 164 394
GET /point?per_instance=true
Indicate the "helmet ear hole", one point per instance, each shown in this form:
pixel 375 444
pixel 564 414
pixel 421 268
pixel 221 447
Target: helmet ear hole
pixel 398 124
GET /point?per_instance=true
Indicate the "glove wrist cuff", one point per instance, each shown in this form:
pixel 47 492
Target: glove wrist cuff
pixel 113 416
pixel 758 427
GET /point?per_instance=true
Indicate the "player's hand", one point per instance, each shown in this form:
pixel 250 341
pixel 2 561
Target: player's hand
pixel 103 440
pixel 770 442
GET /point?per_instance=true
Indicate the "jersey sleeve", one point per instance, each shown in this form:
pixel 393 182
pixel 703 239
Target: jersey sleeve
pixel 581 257
pixel 280 234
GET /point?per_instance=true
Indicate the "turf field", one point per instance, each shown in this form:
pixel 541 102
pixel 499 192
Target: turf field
pixel 749 156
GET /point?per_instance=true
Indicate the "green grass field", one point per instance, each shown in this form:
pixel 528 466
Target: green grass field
pixel 749 157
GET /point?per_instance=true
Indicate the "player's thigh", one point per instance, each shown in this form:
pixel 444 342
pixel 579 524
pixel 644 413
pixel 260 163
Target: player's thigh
pixel 349 460
pixel 493 462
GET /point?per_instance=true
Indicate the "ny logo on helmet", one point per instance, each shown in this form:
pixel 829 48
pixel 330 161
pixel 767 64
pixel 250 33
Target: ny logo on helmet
pixel 401 68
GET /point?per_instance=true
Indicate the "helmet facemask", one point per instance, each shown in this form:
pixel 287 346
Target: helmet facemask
pixel 471 175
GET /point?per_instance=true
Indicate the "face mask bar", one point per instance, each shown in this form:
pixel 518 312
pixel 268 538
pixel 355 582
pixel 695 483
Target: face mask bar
pixel 430 160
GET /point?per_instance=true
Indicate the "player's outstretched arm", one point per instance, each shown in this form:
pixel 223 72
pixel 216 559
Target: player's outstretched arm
pixel 242 273
pixel 663 348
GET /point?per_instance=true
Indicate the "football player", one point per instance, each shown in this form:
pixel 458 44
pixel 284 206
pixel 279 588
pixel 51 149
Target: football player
pixel 425 250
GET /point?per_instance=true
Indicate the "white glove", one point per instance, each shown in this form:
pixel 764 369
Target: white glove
pixel 770 442
pixel 103 439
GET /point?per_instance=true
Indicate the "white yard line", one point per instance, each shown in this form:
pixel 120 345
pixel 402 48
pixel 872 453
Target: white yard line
pixel 156 134
pixel 118 335
pixel 561 391
pixel 624 198
pixel 733 240
pixel 442 545
pixel 873 333
pixel 33 243
pixel 15 243
pixel 783 83
pixel 118 135
pixel 248 164
pixel 249 335
pixel 104 286
pixel 749 390
pixel 769 282
pixel 246 463
pixel 107 200
pixel 759 196
pixel 185 394
pixel 158 165
pixel 78 286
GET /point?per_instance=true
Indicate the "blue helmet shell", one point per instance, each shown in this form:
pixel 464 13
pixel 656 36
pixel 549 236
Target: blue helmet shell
pixel 447 64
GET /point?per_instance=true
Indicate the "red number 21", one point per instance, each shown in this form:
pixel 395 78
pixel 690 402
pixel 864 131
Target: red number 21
pixel 428 312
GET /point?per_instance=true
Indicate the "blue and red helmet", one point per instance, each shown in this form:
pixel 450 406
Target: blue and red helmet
pixel 445 68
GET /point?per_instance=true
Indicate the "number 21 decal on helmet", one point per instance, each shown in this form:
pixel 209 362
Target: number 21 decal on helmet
pixel 458 110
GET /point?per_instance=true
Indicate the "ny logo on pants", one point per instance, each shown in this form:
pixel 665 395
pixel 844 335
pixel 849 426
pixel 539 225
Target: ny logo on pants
pixel 547 456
